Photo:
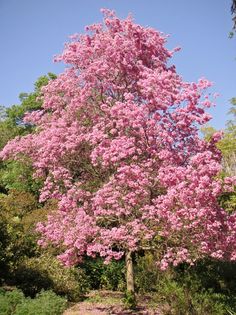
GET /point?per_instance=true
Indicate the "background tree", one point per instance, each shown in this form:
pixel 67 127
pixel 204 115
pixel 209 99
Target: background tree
pixel 227 146
pixel 13 174
pixel 233 11
pixel 116 144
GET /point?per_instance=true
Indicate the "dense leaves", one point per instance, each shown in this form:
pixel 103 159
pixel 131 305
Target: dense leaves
pixel 227 146
pixel 46 303
pixel 46 272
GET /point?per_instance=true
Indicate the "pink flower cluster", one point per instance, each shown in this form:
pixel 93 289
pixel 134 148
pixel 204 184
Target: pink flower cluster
pixel 116 143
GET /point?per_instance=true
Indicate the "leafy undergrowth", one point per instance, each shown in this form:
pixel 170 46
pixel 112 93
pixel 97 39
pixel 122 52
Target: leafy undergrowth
pixel 110 302
pixel 45 303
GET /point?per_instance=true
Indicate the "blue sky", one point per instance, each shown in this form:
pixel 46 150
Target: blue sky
pixel 33 31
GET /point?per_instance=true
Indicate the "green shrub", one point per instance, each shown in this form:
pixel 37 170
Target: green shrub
pixel 113 276
pixel 110 277
pixel 219 276
pixel 206 288
pixel 130 300
pixel 210 303
pixel 15 243
pixel 31 281
pixel 45 303
pixel 46 272
pixel 147 274
pixel 178 299
pixel 9 301
pixel 172 297
pixel 94 269
pixel 3 245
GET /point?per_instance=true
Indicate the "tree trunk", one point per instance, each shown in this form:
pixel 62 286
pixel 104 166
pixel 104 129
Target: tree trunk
pixel 129 272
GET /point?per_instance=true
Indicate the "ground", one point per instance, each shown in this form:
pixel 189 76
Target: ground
pixel 110 303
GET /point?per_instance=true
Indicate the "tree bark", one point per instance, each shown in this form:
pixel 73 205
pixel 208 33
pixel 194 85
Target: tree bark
pixel 129 272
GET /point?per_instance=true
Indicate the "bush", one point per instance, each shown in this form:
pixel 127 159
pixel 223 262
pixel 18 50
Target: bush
pixel 177 298
pixel 147 274
pixel 9 301
pixel 45 303
pixel 31 281
pixel 15 243
pixel 113 276
pixel 130 300
pixel 3 246
pixel 206 288
pixel 110 277
pixel 219 276
pixel 46 272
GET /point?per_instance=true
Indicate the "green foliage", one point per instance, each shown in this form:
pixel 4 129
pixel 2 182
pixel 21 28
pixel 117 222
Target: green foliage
pixel 46 272
pixel 11 123
pixel 29 102
pixel 19 213
pixel 206 288
pixel 22 262
pixel 17 203
pixel 46 303
pixel 7 132
pixel 113 276
pixel 94 270
pixel 209 274
pixel 208 132
pixel 110 277
pixel 146 273
pixel 3 245
pixel 9 301
pixel 177 299
pixel 228 201
pixel 16 175
pixel 227 146
pixel 16 242
pixel 130 300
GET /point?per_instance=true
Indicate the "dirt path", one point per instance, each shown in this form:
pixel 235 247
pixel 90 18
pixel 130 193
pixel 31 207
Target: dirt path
pixel 107 303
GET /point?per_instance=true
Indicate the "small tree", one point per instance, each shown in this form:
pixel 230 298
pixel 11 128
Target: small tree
pixel 117 144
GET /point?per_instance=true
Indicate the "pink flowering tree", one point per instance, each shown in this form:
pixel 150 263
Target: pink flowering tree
pixel 117 145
